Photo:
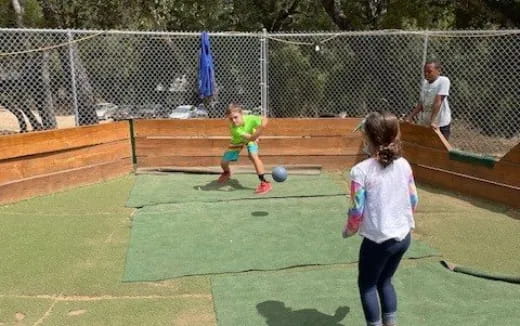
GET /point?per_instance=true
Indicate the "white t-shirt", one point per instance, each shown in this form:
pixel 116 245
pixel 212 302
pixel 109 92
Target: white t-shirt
pixel 441 86
pixel 388 212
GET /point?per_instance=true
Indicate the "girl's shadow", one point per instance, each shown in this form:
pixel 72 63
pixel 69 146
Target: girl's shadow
pixel 231 185
pixel 277 314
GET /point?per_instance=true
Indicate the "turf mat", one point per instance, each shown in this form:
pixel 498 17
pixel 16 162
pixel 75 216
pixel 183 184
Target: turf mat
pixel 180 188
pixel 205 238
pixel 428 295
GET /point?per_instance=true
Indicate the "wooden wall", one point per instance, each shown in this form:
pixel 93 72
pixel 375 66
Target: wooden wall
pixel 428 152
pixel 328 142
pixel 45 162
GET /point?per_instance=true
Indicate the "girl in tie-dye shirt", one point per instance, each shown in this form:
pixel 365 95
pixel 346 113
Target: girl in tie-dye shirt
pixel 383 200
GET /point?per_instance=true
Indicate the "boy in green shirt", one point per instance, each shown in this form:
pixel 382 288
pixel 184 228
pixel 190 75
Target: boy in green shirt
pixel 245 130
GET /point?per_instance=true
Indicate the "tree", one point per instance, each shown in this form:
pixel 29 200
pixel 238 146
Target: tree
pixel 57 14
pixel 33 81
pixel 487 14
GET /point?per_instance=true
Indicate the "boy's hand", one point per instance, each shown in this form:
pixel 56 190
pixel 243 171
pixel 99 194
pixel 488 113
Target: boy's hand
pixel 247 136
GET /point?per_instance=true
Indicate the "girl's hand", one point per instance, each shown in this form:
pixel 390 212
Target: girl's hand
pixel 347 233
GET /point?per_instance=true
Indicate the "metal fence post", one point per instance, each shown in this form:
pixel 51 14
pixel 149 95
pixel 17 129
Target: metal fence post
pixel 73 78
pixel 263 73
pixel 425 53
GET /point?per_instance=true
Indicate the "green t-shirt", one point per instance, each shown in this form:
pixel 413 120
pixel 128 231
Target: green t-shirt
pixel 251 122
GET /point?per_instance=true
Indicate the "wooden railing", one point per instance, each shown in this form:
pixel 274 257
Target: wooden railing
pixel 327 142
pixel 45 162
pixel 429 154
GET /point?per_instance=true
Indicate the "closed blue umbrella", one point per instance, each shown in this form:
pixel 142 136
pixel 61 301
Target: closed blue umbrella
pixel 206 68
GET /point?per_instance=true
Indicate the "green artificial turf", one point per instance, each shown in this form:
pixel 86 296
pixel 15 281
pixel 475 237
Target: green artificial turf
pixel 428 295
pixel 182 188
pixel 205 238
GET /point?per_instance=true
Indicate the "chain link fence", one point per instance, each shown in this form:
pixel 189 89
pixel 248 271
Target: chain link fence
pixel 58 78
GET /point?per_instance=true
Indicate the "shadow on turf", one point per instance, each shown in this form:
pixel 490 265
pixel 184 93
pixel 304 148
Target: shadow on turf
pixel 277 314
pixel 259 213
pixel 214 185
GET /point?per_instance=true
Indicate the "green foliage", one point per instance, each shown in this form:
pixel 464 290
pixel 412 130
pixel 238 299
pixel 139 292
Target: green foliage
pixel 274 15
pixel 33 15
pixel 296 83
pixel 7 16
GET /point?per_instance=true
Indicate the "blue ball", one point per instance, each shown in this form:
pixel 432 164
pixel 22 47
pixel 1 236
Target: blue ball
pixel 279 174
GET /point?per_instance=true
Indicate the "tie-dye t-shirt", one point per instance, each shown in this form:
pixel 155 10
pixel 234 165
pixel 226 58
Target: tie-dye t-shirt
pixel 383 200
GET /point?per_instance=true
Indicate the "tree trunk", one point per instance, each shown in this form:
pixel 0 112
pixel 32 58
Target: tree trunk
pixel 86 101
pixel 336 14
pixel 47 106
pixel 84 92
pixel 18 9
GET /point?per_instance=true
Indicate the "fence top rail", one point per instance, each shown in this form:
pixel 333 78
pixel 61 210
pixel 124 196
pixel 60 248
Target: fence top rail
pixel 126 32
pixel 440 33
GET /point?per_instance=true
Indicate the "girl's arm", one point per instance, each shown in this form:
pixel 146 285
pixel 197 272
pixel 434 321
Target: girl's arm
pixel 355 212
pixel 414 198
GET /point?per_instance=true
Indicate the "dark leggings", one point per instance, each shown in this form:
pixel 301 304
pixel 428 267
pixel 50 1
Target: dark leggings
pixel 377 265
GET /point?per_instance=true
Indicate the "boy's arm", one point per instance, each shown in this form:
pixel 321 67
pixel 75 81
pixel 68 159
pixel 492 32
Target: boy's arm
pixel 444 90
pixel 258 131
pixel 355 212
pixel 418 108
pixel 436 109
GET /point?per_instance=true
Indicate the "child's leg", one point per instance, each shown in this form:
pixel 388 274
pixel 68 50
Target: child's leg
pixel 229 156
pixel 264 186
pixel 371 262
pixel 225 166
pixel 252 150
pixel 387 294
pixel 257 162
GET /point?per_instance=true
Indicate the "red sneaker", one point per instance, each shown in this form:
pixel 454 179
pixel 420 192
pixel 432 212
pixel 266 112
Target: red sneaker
pixel 263 188
pixel 224 177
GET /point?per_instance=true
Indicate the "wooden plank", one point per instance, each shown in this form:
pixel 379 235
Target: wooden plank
pixel 55 140
pixel 219 127
pixel 513 156
pixel 423 136
pixel 336 145
pixel 175 127
pixel 294 169
pixel 53 182
pixel 312 127
pixel 466 185
pixel 29 166
pixel 507 173
pixel 329 162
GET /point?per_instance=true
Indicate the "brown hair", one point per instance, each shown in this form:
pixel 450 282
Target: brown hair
pixel 233 108
pixel 382 130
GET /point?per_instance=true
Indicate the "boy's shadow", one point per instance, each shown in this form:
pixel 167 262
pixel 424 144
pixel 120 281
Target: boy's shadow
pixel 231 185
pixel 277 314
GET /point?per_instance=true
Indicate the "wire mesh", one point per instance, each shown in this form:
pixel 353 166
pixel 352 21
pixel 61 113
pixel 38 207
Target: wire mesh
pixel 57 78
